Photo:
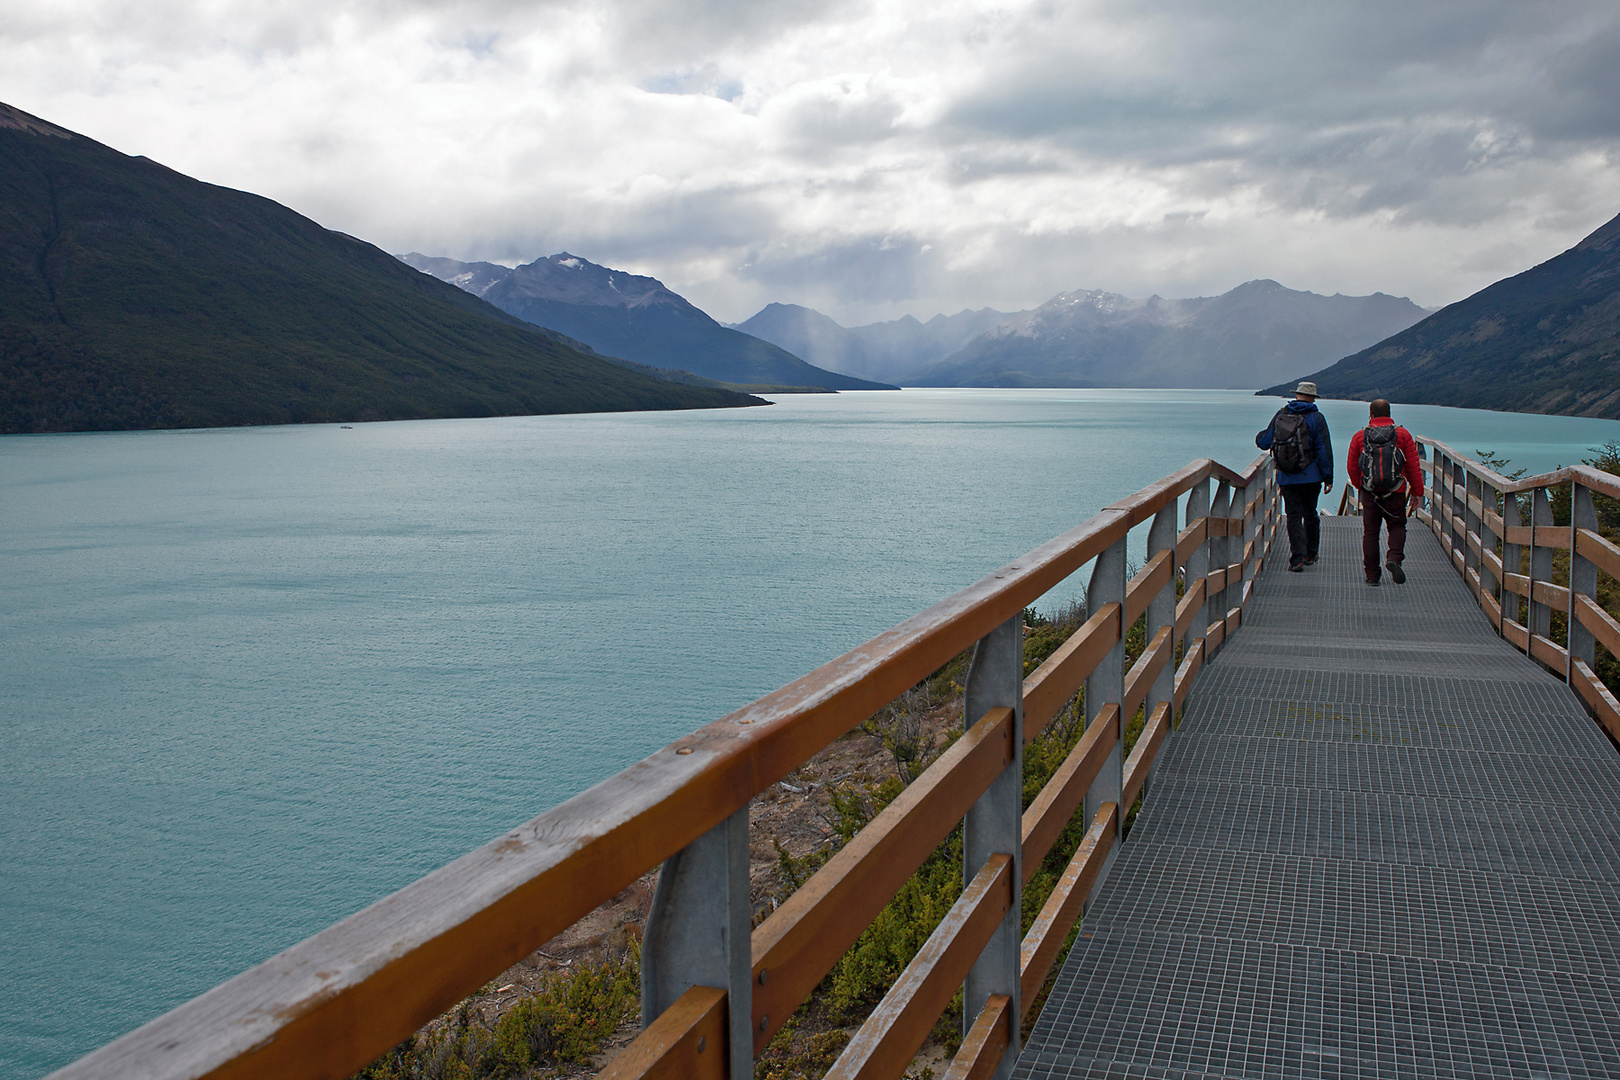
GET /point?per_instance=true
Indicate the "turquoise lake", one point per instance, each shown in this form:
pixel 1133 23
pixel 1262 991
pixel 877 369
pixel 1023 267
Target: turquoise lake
pixel 254 679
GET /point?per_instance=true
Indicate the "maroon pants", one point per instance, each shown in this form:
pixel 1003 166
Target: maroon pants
pixel 1382 509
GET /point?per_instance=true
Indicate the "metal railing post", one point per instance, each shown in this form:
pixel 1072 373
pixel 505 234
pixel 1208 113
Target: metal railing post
pixel 1106 686
pixel 1220 508
pixel 1512 557
pixel 1582 577
pixel 1473 488
pixel 993 825
pixel 1197 567
pixel 1161 613
pixel 1541 560
pixel 1250 523
pixel 698 932
pixel 1458 478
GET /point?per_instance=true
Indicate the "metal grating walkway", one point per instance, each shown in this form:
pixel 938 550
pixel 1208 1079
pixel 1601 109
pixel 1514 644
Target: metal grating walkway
pixel 1383 843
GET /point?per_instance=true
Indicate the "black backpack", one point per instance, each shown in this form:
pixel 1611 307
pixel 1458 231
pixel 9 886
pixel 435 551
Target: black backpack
pixel 1292 446
pixel 1382 462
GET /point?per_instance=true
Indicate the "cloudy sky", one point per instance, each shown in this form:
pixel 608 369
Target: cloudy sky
pixel 876 157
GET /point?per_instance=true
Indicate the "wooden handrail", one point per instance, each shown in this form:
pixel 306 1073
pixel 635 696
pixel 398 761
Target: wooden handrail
pixel 1493 576
pixel 795 947
pixel 1062 908
pixel 987 1040
pixel 1052 809
pixel 1596 479
pixel 332 1003
pixel 887 1041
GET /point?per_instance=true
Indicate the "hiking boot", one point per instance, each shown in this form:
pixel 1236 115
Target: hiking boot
pixel 1310 560
pixel 1296 567
pixel 1396 573
pixel 1374 581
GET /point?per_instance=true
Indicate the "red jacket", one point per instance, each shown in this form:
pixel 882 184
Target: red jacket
pixel 1408 446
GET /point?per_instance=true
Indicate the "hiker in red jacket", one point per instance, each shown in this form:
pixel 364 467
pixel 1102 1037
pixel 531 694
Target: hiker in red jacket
pixel 1384 467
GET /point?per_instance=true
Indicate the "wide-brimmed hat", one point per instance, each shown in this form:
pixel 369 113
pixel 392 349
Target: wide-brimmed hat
pixel 1306 388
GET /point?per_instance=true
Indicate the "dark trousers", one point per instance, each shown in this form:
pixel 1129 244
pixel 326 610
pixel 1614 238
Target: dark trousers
pixel 1304 527
pixel 1387 510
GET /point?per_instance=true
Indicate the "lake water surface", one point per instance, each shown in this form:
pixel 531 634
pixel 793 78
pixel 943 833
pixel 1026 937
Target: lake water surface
pixel 253 679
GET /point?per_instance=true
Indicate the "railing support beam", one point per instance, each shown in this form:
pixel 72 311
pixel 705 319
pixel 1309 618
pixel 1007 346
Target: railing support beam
pixel 1198 562
pixel 1220 556
pixel 1512 557
pixel 1161 612
pixel 698 933
pixel 1106 686
pixel 1582 578
pixel 1541 562
pixel 994 825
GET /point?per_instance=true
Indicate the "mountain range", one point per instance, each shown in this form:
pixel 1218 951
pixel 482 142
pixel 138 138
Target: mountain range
pixel 1546 340
pixel 895 351
pixel 634 317
pixel 1257 332
pixel 132 296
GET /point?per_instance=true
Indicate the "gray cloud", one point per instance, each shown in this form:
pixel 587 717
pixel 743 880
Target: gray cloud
pixel 872 158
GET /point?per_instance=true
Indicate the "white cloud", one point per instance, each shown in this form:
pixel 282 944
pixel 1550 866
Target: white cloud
pixel 871 158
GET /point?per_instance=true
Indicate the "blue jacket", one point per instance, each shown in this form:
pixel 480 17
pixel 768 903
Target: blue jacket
pixel 1320 470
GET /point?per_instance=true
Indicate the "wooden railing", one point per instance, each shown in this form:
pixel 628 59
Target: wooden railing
pixel 1500 535
pixel 713 990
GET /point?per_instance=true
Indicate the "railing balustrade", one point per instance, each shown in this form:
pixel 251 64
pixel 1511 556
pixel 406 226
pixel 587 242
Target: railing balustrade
pixel 714 992
pixel 1508 564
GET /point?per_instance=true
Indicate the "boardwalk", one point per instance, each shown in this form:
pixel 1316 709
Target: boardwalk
pixel 1382 843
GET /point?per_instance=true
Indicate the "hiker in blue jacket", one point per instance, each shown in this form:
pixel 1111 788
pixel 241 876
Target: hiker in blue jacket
pixel 1299 443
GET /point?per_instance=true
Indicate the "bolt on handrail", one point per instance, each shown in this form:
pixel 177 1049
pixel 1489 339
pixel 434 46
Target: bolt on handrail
pixel 712 991
pixel 1507 563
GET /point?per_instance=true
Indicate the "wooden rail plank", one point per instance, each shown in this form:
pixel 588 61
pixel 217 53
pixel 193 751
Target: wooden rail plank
pixel 1063 906
pixel 1595 549
pixel 1145 670
pixel 802 939
pixel 1554 596
pixel 688 1040
pixel 1214 634
pixel 1475 506
pixel 1190 663
pixel 1475 545
pixel 1542 536
pixel 1189 538
pixel 1493 521
pixel 1549 652
pixel 1140 763
pixel 890 1037
pixel 1597 698
pixel 1050 686
pixel 1050 811
pixel 1492 608
pixel 986 1042
pixel 1522 535
pixel 1602 625
pixel 1191 602
pixel 1492 563
pixel 1216 579
pixel 1516 633
pixel 1146 585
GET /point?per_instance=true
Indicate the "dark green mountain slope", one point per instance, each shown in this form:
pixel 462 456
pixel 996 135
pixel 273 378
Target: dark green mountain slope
pixel 134 297
pixel 1544 341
